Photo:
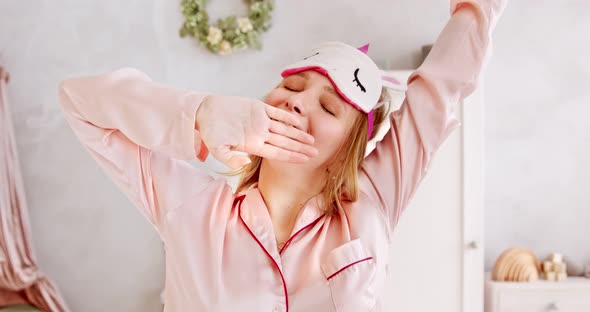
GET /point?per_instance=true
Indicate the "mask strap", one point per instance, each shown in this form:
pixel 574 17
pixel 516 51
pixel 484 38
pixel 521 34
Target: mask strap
pixel 371 120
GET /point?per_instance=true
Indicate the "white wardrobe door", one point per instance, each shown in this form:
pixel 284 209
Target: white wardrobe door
pixel 426 271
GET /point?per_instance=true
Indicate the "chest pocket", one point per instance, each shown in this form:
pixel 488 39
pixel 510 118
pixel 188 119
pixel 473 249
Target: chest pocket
pixel 350 272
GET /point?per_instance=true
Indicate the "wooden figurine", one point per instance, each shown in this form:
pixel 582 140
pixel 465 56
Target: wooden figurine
pixel 554 269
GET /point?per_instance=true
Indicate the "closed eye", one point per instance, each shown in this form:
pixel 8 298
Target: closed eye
pixel 327 110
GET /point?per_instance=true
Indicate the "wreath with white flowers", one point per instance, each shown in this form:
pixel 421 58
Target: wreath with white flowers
pixel 231 33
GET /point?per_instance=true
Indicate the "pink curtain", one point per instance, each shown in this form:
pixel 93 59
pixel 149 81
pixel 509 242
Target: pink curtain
pixel 21 281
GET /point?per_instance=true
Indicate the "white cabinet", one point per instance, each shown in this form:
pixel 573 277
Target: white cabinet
pixel 437 249
pixel 571 295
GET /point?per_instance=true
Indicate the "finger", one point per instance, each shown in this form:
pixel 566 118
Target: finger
pixel 226 156
pixel 291 132
pixel 282 115
pixel 273 152
pixel 292 145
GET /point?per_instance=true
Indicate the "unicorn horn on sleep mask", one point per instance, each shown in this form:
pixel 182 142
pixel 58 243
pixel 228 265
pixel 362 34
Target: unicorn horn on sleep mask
pixel 354 75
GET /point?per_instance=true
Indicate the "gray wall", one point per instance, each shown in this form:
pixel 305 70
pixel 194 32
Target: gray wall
pixel 537 112
pixel 537 131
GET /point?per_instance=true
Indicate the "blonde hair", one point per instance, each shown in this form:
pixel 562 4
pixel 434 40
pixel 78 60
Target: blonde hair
pixel 341 184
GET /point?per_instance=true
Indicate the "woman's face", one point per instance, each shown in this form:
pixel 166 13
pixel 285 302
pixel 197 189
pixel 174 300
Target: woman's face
pixel 323 113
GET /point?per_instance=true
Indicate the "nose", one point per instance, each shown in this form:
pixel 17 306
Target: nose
pixel 294 108
pixel 295 104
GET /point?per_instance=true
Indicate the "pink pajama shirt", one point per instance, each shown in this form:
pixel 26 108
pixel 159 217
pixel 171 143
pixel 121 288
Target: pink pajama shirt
pixel 220 246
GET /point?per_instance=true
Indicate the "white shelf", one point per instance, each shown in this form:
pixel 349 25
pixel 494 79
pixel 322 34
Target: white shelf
pixel 570 295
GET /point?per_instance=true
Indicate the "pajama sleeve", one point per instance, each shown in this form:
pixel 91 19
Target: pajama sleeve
pixel 139 132
pixel 427 116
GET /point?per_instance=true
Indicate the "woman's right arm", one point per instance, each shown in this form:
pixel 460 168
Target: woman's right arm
pixel 139 132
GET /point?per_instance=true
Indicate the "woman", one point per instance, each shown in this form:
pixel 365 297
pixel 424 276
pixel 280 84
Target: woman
pixel 309 225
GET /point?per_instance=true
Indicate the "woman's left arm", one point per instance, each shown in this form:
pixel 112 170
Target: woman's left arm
pixel 392 172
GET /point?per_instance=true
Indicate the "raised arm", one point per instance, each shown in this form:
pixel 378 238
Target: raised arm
pixel 427 117
pixel 138 131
